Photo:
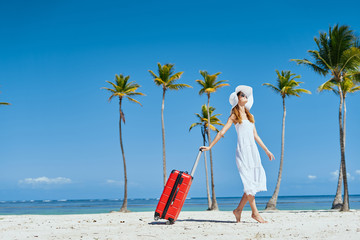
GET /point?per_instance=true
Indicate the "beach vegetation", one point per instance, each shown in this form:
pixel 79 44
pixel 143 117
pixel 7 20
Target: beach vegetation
pixel 122 88
pixel 349 85
pixel 204 123
pixel 286 86
pixel 209 84
pixel 337 56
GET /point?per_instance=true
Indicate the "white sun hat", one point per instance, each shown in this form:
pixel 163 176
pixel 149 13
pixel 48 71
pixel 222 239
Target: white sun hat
pixel 233 99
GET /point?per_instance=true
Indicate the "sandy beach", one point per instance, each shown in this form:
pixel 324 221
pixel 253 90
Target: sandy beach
pixel 190 225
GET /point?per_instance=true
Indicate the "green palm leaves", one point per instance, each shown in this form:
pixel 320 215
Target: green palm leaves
pixel 203 119
pixel 348 85
pixel 286 85
pixel 338 53
pixel 167 78
pixel 210 83
pixel 123 88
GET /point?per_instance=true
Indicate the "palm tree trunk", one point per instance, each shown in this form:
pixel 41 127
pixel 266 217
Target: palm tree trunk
pixel 214 205
pixel 206 174
pixel 338 201
pixel 163 135
pixel 344 121
pixel 124 205
pixel 345 206
pixel 271 205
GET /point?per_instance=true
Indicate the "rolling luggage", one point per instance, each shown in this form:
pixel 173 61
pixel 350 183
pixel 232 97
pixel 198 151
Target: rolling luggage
pixel 175 191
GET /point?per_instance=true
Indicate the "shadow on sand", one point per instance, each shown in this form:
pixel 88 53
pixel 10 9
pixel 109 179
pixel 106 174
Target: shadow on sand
pixel 196 220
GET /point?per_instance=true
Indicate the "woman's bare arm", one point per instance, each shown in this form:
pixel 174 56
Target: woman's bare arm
pixel 220 134
pixel 262 145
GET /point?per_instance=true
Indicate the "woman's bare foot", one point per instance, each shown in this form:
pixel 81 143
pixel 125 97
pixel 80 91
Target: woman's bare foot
pixel 237 214
pixel 258 218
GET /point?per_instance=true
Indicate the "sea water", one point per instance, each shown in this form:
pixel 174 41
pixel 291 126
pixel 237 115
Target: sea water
pixel 91 206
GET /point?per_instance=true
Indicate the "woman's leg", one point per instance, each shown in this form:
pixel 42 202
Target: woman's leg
pixel 255 213
pixel 238 210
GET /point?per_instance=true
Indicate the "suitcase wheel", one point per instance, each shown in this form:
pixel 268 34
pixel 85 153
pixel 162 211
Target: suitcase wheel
pixel 170 221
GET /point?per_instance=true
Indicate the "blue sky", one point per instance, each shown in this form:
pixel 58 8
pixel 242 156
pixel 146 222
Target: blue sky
pixel 59 138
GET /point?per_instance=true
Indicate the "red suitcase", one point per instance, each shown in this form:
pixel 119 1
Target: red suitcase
pixel 175 191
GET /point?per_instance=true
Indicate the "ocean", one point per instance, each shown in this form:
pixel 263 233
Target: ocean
pixel 92 206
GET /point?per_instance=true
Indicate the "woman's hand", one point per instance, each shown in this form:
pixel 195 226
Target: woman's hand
pixel 204 148
pixel 270 155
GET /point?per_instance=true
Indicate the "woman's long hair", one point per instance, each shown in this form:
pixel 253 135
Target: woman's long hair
pixel 236 112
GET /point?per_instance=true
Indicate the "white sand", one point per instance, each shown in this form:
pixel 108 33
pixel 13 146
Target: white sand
pixel 190 225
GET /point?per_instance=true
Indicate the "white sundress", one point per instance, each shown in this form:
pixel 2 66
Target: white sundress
pixel 248 159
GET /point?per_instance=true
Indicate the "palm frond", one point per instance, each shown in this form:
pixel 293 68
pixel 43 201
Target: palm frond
pixel 219 82
pixel 111 97
pixel 194 125
pixel 326 86
pixel 275 89
pixel 213 128
pixel 286 84
pixel 356 76
pixel 320 60
pixel 136 93
pixel 221 85
pixel 314 67
pixel 350 60
pixel 178 86
pixel 202 91
pixel 113 84
pixel 153 74
pixel 204 74
pixel 210 90
pixel 109 89
pixel 354 89
pixel 133 100
pixel 300 90
pixel 123 88
pixel 175 77
pixel 338 53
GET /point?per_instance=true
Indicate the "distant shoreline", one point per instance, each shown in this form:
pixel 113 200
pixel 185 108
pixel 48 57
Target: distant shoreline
pixel 96 206
pixel 149 198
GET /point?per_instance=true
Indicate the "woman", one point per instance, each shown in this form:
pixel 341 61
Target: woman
pixel 247 155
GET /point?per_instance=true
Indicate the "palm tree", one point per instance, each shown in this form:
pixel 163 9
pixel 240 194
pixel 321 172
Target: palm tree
pixel 166 78
pixel 203 122
pixel 123 88
pixel 286 86
pixel 338 55
pixel 210 85
pixel 348 85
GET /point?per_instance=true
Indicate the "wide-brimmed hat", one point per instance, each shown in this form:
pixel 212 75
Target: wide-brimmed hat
pixel 233 99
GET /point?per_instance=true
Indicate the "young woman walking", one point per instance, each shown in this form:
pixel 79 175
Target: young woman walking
pixel 247 154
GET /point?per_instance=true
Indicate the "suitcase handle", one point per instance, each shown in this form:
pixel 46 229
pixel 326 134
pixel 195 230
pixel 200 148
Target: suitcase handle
pixel 196 163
